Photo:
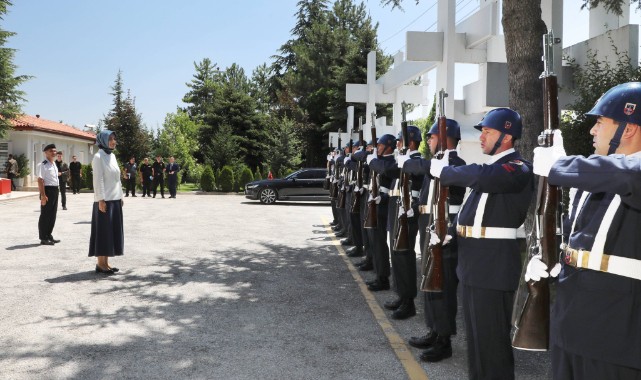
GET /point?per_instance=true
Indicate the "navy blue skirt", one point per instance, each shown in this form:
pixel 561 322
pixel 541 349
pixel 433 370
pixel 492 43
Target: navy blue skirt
pixel 107 232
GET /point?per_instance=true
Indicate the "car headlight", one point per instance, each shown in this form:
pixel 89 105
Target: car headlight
pixel 249 187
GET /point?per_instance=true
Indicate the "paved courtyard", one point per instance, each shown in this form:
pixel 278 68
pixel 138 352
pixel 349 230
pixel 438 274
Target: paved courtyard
pixel 210 287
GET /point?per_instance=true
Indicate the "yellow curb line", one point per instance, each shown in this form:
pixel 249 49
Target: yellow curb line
pixel 412 367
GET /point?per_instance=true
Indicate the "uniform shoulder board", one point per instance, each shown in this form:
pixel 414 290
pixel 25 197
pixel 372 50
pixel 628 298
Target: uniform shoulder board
pixel 516 162
pixel 44 162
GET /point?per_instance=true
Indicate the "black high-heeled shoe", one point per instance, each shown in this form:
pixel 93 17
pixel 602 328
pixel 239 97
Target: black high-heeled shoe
pixel 114 269
pixel 104 271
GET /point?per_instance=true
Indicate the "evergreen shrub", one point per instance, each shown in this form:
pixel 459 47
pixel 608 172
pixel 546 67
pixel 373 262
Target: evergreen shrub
pixel 226 179
pixel 207 180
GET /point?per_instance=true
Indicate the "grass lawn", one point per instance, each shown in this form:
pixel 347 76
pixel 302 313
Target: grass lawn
pixel 186 187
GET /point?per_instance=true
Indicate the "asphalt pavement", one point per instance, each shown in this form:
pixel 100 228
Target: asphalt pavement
pixel 210 287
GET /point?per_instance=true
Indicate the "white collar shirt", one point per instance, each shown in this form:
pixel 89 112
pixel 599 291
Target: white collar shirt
pixel 48 171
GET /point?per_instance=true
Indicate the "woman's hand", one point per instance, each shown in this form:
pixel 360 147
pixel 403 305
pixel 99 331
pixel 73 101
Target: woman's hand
pixel 102 205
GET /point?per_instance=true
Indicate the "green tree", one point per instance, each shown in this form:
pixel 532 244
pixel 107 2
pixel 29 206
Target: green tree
pixel 328 48
pixel 10 95
pixel 226 179
pixel 245 177
pixel 133 138
pixel 179 137
pixel 282 151
pixel 207 180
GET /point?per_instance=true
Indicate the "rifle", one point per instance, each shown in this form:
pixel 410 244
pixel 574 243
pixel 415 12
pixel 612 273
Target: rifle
pixel 533 322
pixel 343 194
pixel 432 270
pixel 334 193
pixel 401 243
pixel 356 197
pixel 371 215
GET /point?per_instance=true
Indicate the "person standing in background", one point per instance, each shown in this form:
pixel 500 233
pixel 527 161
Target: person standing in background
pixel 172 176
pixel 158 170
pixel 63 175
pixel 146 175
pixel 75 168
pixel 48 188
pixel 130 176
pixel 12 170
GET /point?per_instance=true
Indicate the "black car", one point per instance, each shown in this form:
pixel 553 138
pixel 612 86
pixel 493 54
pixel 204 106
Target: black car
pixel 302 185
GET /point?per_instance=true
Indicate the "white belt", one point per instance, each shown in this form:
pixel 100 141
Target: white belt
pixel 395 193
pixel 415 193
pixel 486 232
pixel 621 266
pixel 426 209
pixel 383 190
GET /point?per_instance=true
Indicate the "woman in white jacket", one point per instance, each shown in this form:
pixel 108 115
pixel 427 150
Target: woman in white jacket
pixel 107 233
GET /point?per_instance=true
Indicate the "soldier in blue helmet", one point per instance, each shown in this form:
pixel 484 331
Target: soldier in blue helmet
pixel 439 307
pixel 489 263
pixel 403 263
pixel 385 153
pixel 367 236
pixel 595 328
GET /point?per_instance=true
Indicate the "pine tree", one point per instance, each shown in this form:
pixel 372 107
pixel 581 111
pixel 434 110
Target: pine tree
pixel 10 95
pixel 132 137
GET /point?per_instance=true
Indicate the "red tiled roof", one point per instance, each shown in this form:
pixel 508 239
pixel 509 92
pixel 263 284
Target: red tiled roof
pixel 33 123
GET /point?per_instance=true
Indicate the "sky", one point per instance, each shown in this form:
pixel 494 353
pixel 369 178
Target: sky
pixel 75 48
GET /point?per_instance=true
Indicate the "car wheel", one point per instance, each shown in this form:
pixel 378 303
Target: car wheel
pixel 267 196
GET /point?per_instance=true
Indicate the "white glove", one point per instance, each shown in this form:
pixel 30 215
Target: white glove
pixel 347 159
pixel 357 189
pixel 370 157
pixel 361 190
pixel 434 239
pixel 544 158
pixel 410 213
pixel 536 269
pixel 400 160
pixel 436 165
pixel 401 211
pixel 377 199
pixel 329 157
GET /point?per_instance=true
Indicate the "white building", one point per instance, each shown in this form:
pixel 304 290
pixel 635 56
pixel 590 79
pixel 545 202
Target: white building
pixel 30 134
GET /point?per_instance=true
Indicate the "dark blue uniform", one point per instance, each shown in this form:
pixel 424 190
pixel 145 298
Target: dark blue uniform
pixel 355 227
pixel 385 182
pixel 341 180
pixel 596 318
pixel 489 264
pixel 440 307
pixel 367 236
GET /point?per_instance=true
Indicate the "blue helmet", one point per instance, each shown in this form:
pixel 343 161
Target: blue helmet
pixel 453 129
pixel 357 143
pixel 388 140
pixel 620 103
pixel 503 120
pixel 413 134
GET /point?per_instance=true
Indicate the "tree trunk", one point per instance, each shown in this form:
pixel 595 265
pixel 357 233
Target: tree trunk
pixel 523 29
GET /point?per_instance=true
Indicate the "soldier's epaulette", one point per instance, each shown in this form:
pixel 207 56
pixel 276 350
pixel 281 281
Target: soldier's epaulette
pixel 44 162
pixel 509 166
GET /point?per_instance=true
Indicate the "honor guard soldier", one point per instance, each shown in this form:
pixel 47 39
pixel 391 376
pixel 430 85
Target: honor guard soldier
pixel 48 188
pixel 330 176
pixel 595 324
pixel 146 173
pixel 63 175
pixel 130 176
pixel 158 170
pixel 341 229
pixel 489 259
pixel 384 155
pixel 439 307
pixel 404 262
pixel 361 156
pixel 348 185
pixel 356 226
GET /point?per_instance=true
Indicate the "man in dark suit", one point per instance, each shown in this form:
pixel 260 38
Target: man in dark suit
pixel 158 170
pixel 172 176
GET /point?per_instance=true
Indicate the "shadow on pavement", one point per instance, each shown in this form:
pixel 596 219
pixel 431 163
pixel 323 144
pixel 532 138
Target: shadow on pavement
pixel 75 277
pixel 23 246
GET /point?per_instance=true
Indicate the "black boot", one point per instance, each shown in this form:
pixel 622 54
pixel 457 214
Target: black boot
pixel 393 304
pixel 366 266
pixel 381 283
pixel 425 341
pixel 441 349
pixel 347 241
pixel 405 310
pixel 354 252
